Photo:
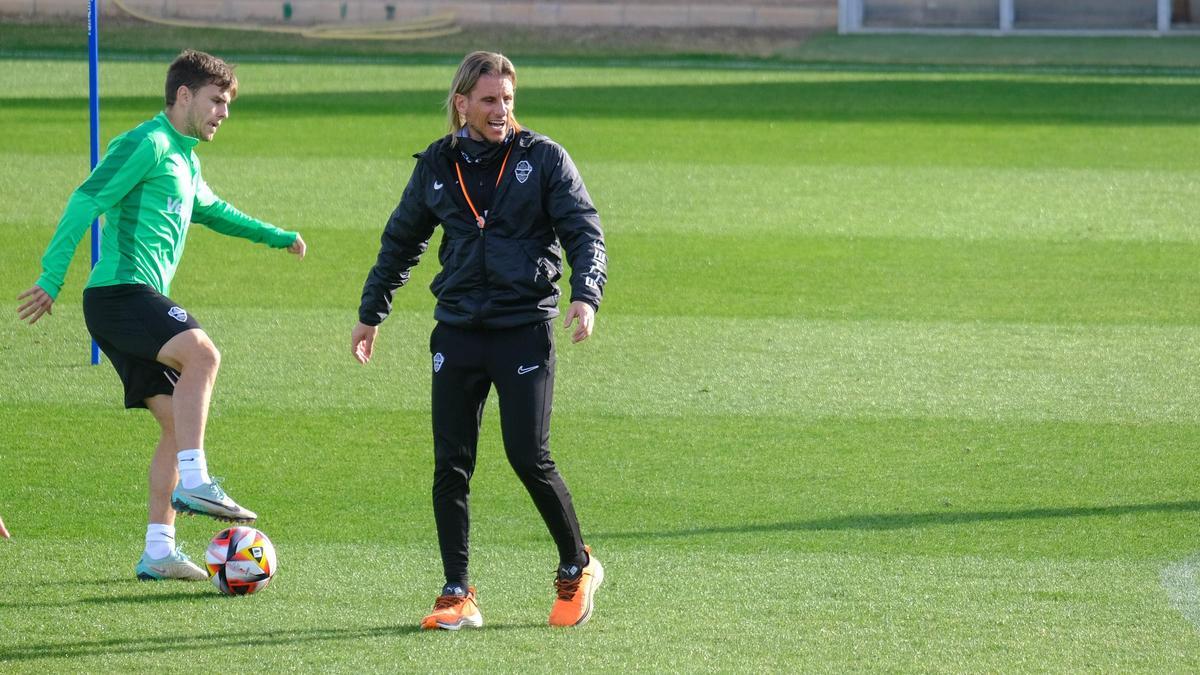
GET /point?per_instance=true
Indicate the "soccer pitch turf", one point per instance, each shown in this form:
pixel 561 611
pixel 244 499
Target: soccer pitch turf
pixel 896 370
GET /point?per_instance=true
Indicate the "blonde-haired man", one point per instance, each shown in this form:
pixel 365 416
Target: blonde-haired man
pixel 510 203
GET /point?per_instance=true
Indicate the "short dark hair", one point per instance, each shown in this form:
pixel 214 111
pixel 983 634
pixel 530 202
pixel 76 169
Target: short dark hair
pixel 194 70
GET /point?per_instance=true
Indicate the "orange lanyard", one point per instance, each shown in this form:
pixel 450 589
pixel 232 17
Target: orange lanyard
pixel 463 186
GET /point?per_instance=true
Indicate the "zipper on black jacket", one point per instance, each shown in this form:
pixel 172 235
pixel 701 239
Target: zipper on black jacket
pixel 485 287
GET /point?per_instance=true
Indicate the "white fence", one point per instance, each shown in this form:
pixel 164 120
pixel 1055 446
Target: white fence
pixel 1137 17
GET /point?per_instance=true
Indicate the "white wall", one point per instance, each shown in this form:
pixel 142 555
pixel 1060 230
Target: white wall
pixel 666 14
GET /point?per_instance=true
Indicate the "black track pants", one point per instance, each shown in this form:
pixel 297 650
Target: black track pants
pixel 520 363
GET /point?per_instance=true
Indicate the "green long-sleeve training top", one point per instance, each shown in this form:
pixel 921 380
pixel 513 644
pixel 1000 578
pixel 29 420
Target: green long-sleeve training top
pixel 149 188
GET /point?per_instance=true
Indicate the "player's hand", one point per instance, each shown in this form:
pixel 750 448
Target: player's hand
pixel 3 531
pixel 39 302
pixel 298 248
pixel 362 341
pixel 587 320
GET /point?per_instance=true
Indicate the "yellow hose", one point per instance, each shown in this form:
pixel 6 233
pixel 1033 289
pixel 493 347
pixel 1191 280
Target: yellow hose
pixel 439 25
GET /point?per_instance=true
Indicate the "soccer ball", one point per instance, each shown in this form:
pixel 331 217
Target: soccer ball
pixel 240 561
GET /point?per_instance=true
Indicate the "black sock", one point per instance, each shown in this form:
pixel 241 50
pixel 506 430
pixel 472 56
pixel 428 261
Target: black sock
pixel 571 569
pixel 455 588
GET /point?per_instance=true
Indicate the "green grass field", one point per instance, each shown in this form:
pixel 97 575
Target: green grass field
pixel 897 370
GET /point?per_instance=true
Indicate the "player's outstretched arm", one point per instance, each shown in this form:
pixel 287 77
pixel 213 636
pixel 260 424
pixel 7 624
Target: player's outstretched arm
pixel 298 247
pixel 3 530
pixel 39 302
pixel 362 341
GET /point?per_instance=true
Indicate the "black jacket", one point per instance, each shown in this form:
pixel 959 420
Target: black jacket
pixel 503 275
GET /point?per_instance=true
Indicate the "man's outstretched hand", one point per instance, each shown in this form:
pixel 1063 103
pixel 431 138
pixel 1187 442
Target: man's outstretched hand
pixel 38 303
pixel 587 320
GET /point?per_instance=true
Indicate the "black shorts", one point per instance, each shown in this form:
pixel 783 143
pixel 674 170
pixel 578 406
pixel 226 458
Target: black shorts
pixel 131 323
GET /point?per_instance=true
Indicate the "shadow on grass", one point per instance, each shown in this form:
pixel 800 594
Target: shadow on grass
pixel 191 642
pixel 132 598
pixel 123 580
pixel 901 521
pixel 890 99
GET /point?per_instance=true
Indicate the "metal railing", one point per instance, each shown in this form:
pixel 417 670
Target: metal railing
pixel 1000 17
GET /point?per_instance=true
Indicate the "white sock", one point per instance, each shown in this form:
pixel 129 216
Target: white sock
pixel 160 540
pixel 193 469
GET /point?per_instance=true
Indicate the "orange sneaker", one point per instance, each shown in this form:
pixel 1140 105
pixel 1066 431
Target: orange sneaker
pixel 451 612
pixel 575 596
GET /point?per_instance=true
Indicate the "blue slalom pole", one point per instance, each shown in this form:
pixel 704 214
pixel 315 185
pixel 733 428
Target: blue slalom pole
pixel 94 109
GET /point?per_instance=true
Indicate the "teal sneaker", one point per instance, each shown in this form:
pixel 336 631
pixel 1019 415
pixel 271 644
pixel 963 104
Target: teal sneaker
pixel 208 499
pixel 174 566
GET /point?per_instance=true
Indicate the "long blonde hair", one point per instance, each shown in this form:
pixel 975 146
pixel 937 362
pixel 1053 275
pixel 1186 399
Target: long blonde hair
pixel 474 66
